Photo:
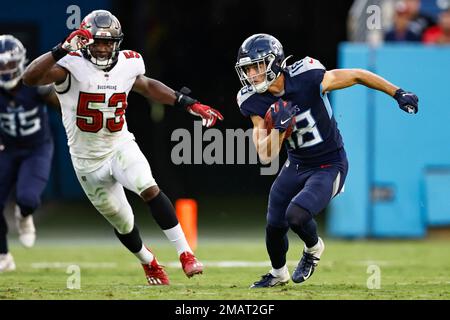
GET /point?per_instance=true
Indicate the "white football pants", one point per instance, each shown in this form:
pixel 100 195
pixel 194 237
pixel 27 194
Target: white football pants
pixel 128 168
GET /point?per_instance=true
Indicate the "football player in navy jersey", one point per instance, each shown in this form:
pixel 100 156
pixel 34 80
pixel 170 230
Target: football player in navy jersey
pixel 26 145
pixel 317 164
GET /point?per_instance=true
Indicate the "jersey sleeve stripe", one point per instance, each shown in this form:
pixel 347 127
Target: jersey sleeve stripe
pixel 326 101
pixel 64 87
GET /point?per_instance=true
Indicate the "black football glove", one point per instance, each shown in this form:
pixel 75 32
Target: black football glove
pixel 407 101
pixel 282 113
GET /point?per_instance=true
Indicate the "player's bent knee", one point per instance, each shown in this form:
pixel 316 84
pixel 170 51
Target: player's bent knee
pixel 106 208
pixel 125 227
pixel 27 205
pixel 276 221
pixel 296 215
pixel 122 220
pixel 276 231
pixel 150 193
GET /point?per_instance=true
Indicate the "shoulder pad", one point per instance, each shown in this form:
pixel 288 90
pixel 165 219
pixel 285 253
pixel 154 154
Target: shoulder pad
pixel 130 54
pixel 301 66
pixel 244 93
pixel 71 63
pixel 134 61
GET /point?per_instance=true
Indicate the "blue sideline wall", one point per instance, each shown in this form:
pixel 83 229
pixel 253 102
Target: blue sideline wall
pixel 399 179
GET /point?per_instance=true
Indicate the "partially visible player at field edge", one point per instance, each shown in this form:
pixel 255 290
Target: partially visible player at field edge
pixel 26 145
pixel 93 77
pixel 317 165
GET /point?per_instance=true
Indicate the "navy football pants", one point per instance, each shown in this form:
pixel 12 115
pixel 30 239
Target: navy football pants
pixel 296 196
pixel 311 188
pixel 27 169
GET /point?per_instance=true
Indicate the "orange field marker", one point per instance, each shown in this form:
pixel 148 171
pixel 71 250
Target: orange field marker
pixel 187 216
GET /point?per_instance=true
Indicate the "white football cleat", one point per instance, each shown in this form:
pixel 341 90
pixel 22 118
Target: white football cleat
pixel 25 228
pixel 7 262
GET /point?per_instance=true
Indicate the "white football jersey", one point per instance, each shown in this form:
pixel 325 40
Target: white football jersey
pixel 93 104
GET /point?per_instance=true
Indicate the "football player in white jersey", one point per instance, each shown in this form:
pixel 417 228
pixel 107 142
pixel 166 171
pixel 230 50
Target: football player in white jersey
pixel 93 78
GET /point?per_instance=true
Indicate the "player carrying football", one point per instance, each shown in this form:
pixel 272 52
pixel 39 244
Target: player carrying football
pixel 317 164
pixel 93 77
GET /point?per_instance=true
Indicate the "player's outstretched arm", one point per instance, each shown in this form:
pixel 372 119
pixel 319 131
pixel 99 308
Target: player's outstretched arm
pixel 343 78
pixel 44 70
pixel 159 92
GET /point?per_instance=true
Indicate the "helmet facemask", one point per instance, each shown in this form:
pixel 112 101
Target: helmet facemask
pixel 103 63
pixel 264 66
pixel 263 69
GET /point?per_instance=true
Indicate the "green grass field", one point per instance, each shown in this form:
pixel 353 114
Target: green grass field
pixel 409 270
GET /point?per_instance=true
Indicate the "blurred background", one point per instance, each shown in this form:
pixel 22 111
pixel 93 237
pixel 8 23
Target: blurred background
pixel 399 179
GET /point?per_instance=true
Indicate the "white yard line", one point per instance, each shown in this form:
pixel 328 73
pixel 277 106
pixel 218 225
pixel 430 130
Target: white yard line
pixel 213 264
pixel 88 265
pixel 171 264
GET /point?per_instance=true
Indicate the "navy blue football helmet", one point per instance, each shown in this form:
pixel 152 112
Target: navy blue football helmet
pixel 265 53
pixel 12 61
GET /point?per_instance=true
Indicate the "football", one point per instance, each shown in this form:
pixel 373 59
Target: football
pixel 268 121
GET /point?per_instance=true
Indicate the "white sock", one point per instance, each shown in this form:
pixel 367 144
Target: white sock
pixel 177 237
pixel 144 255
pixel 316 248
pixel 279 272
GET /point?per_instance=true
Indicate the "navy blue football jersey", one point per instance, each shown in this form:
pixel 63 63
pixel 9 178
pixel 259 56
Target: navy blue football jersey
pixel 315 138
pixel 23 117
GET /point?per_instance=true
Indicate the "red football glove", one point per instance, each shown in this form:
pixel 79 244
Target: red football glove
pixel 209 115
pixel 77 40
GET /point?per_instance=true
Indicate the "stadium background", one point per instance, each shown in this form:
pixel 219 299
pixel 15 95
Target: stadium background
pixel 194 44
pixel 167 35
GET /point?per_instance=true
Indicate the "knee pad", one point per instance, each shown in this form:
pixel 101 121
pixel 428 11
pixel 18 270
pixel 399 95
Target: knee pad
pixel 121 219
pixel 125 226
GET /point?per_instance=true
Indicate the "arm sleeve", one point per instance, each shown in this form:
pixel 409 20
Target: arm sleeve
pixel 133 61
pixel 139 66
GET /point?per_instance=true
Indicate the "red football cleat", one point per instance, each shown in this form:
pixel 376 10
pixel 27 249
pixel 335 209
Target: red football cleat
pixel 191 266
pixel 155 274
